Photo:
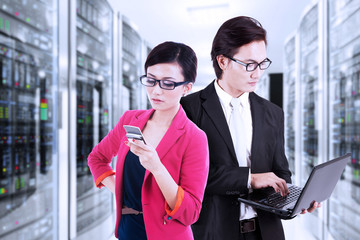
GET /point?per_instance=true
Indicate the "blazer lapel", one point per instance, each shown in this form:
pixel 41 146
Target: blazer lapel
pixel 141 118
pixel 213 108
pixel 175 131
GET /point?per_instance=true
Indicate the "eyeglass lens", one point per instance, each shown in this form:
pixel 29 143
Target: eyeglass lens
pixel 263 65
pixel 165 84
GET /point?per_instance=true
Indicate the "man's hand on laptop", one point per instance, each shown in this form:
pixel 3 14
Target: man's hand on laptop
pixel 313 207
pixel 269 179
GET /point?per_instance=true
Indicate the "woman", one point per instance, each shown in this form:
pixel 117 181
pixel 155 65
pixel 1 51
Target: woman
pixel 159 186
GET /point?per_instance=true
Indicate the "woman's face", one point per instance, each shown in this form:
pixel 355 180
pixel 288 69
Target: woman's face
pixel 235 79
pixel 162 99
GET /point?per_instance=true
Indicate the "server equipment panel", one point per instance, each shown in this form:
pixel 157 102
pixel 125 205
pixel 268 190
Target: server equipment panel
pixel 344 105
pixel 94 39
pixel 28 70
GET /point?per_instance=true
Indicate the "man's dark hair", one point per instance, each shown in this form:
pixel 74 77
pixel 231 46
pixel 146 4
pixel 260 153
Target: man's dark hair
pixel 233 34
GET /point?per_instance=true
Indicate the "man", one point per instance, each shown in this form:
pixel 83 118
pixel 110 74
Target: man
pixel 246 155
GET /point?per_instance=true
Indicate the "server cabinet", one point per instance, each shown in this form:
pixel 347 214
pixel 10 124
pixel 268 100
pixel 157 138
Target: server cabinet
pixel 263 87
pixel 344 111
pixel 310 106
pixel 131 66
pixel 309 45
pixel 28 119
pixel 145 102
pixel 91 87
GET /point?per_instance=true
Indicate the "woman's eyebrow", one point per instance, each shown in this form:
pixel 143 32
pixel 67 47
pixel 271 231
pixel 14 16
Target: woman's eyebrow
pixel 164 78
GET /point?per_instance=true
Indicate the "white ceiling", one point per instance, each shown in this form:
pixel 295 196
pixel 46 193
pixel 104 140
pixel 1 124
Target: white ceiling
pixel 195 22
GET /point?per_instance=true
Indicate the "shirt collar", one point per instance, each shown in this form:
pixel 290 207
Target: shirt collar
pixel 225 98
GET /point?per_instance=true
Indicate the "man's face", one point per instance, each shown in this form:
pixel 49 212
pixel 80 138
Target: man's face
pixel 235 79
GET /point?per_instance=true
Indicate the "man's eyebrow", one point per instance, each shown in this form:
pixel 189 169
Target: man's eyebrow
pixel 254 61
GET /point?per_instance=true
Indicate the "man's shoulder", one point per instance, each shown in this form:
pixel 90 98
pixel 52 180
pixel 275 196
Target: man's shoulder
pixel 254 97
pixel 271 110
pixel 197 96
pixel 191 104
pixel 191 97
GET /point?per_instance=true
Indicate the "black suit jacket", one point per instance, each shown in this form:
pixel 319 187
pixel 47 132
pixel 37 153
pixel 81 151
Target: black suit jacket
pixel 219 217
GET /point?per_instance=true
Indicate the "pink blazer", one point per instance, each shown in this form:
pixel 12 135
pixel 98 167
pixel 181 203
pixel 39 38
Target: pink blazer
pixel 184 152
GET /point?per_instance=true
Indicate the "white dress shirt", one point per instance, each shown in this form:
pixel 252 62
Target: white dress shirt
pixel 225 99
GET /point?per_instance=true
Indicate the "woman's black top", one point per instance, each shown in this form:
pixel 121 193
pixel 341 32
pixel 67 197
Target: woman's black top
pixel 132 226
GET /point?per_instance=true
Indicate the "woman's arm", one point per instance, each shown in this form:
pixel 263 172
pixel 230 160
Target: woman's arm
pixel 109 182
pixel 167 185
pixel 102 154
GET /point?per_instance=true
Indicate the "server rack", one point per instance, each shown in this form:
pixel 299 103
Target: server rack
pixel 131 65
pixel 28 119
pixel 309 45
pixel 344 109
pixel 55 105
pixel 91 79
pixel 263 87
pixel 290 105
pixel 302 107
pixel 330 69
pixel 310 106
pixel 144 100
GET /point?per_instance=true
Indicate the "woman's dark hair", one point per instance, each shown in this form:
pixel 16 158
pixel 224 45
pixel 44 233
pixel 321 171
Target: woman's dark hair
pixel 169 52
pixel 233 34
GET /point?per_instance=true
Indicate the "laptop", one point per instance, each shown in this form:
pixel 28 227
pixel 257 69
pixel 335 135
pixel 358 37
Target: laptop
pixel 319 186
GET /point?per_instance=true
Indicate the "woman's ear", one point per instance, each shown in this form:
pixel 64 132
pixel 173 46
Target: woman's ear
pixel 187 88
pixel 222 62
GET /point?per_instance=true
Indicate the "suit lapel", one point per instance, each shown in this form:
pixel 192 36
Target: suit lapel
pixel 257 115
pixel 213 108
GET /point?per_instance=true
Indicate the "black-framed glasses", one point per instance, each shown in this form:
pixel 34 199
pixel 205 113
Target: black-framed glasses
pixel 164 84
pixel 252 66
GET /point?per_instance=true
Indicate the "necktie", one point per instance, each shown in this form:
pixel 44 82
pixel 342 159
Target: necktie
pixel 238 135
pixel 237 130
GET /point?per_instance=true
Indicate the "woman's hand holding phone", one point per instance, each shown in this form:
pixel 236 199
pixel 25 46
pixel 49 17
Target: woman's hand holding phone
pixel 148 156
pixel 133 132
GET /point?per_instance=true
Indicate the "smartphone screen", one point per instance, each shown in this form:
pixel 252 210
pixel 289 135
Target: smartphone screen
pixel 133 132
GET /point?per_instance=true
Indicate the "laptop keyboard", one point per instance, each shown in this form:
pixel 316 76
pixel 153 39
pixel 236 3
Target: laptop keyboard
pixel 276 200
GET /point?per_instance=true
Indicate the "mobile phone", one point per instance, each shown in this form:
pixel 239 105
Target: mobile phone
pixel 133 132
